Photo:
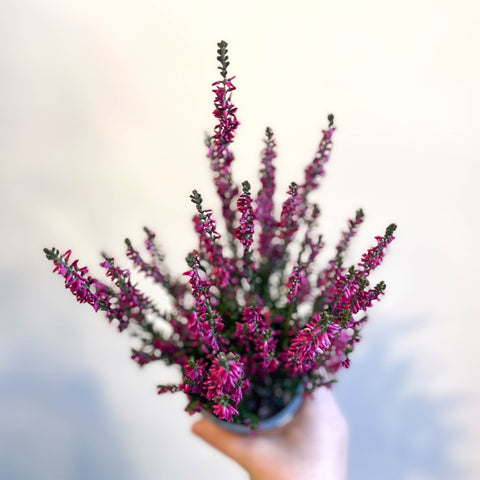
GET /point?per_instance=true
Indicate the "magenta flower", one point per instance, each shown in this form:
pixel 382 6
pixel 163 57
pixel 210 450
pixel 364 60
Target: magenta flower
pixel 224 411
pixel 224 374
pixel 255 314
pixel 253 320
pixel 225 384
pixel 76 279
pixel 264 211
pixel 294 282
pixel 244 232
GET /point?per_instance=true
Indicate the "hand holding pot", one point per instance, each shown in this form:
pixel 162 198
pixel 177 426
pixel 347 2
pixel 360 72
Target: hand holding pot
pixel 312 446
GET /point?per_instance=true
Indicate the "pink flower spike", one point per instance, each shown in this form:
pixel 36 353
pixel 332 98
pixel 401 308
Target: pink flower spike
pixel 264 203
pixel 224 412
pixel 244 232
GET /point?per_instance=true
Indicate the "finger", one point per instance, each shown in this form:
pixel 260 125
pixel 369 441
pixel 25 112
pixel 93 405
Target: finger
pixel 231 444
pixel 322 411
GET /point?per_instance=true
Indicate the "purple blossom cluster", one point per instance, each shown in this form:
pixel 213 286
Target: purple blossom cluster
pixel 248 315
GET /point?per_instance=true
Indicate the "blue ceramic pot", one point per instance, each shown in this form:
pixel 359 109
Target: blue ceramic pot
pixel 280 419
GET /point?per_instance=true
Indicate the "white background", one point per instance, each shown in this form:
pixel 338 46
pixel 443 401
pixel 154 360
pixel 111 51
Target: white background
pixel 103 105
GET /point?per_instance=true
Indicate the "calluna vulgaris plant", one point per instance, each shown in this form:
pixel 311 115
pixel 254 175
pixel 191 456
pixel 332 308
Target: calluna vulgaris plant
pixel 254 320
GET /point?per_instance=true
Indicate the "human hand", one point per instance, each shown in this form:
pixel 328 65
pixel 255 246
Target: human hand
pixel 312 446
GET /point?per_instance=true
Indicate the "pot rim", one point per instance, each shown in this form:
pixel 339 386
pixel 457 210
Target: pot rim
pixel 278 420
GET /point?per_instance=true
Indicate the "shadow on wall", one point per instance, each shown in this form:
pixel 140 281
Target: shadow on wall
pixel 56 426
pixel 394 434
pixel 54 422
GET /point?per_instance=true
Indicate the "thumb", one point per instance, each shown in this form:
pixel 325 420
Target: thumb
pixel 231 444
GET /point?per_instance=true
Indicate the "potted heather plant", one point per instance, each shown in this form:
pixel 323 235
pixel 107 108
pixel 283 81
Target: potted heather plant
pixel 255 321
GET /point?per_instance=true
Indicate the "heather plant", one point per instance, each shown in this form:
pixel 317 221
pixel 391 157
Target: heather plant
pixel 254 317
